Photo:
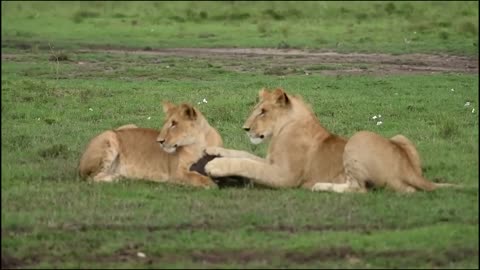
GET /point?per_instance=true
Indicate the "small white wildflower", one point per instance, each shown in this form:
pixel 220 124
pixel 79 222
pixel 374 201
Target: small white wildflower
pixel 452 90
pixel 467 104
pixel 148 118
pixel 374 117
pixel 473 110
pixel 38 119
pixel 168 67
pixel 379 123
pixel 306 73
pixel 141 254
pixel 379 116
pixel 199 103
pixel 205 100
pixel 90 109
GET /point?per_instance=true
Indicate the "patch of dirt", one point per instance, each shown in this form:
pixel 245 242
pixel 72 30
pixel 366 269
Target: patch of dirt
pixel 363 228
pixel 330 254
pixel 134 252
pixel 283 62
pixel 320 228
pixel 350 63
pixel 11 262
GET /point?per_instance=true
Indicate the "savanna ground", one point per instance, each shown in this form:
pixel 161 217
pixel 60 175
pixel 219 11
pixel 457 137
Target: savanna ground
pixel 72 70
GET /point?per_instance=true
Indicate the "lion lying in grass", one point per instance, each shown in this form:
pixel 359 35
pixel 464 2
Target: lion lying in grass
pixel 302 153
pixel 142 153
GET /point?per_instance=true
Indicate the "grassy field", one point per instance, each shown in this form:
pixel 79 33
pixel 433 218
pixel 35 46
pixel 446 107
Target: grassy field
pixel 50 109
pixel 395 27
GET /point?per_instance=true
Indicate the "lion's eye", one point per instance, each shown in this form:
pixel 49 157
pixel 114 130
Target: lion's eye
pixel 174 123
pixel 262 112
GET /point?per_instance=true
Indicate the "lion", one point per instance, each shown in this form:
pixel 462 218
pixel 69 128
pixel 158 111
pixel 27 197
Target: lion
pixel 302 153
pixel 143 153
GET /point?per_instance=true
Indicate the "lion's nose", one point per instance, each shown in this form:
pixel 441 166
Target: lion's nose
pixel 161 141
pixel 246 129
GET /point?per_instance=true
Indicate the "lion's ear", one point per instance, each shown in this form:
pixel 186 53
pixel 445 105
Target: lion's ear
pixel 263 93
pixel 281 97
pixel 167 106
pixel 189 111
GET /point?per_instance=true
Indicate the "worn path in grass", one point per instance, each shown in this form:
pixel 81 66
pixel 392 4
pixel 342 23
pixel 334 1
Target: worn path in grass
pixel 285 61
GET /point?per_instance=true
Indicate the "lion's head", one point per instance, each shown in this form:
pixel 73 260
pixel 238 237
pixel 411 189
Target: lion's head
pixel 270 111
pixel 182 126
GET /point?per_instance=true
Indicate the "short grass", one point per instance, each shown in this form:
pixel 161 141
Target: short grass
pixel 52 219
pixel 50 109
pixel 345 26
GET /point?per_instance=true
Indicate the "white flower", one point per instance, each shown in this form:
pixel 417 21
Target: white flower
pixel 148 118
pixel 379 116
pixel 199 103
pixel 205 100
pixel 90 109
pixel 38 119
pixel 467 104
pixel 473 110
pixel 379 123
pixel 168 67
pixel 374 117
pixel 452 89
pixel 141 254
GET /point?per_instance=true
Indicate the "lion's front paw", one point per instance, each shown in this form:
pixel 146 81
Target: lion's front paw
pixel 322 187
pixel 216 168
pixel 215 151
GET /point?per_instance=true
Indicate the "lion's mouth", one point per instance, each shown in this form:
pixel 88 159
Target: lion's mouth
pixel 169 149
pixel 256 139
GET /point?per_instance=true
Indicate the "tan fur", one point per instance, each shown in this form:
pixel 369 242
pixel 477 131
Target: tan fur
pixel 142 153
pixel 393 163
pixel 301 152
pixel 304 154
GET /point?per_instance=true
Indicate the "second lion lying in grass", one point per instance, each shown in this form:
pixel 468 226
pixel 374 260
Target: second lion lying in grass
pixel 302 153
pixel 142 153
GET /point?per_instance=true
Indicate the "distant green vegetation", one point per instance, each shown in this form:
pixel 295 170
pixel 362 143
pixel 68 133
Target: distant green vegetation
pixel 391 27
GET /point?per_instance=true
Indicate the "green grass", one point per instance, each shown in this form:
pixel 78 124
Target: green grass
pixel 50 110
pixel 391 27
pixel 52 219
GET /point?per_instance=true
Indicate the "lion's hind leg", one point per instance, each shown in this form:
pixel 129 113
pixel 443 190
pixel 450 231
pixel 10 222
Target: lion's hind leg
pixel 100 160
pixel 400 186
pixel 351 185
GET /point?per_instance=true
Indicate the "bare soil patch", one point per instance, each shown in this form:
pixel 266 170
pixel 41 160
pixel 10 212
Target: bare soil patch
pixel 294 61
pixel 329 63
pixel 78 227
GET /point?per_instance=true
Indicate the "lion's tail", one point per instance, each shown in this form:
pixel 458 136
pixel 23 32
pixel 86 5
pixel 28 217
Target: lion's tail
pixel 415 178
pixel 448 185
